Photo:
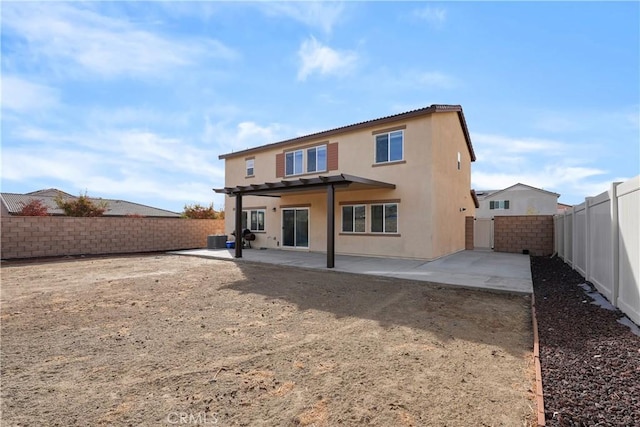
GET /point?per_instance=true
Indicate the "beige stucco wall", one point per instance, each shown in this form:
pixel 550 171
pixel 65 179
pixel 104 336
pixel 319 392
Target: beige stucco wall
pixel 430 188
pixel 451 201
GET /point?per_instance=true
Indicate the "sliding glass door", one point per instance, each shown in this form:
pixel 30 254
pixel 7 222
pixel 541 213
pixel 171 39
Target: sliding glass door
pixel 295 227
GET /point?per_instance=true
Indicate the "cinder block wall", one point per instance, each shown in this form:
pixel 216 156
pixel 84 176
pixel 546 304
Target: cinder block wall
pixel 524 232
pixel 468 233
pixel 30 237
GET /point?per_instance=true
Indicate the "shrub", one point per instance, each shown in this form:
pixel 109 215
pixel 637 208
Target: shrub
pixel 34 207
pixel 82 206
pixel 198 211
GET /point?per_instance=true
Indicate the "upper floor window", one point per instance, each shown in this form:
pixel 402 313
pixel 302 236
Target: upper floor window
pixel 389 146
pixel 293 162
pixel 249 165
pixel 316 160
pixel 499 204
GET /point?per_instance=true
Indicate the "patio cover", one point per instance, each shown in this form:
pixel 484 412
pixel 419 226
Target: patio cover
pixel 320 183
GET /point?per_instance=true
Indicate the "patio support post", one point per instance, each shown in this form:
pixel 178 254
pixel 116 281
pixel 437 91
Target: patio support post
pixel 238 227
pixel 330 226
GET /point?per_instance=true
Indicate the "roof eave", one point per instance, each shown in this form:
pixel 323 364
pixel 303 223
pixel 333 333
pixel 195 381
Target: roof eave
pixel 435 108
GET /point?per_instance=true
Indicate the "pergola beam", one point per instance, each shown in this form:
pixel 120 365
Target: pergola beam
pixel 275 189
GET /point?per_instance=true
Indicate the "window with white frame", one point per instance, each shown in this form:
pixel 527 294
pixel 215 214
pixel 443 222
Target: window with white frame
pixel 311 160
pixel 317 159
pixel 354 218
pixel 293 162
pixel 499 204
pixel 389 146
pixel 253 219
pixel 384 218
pixel 249 165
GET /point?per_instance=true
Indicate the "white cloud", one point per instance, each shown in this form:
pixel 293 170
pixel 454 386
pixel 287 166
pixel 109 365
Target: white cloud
pixel 122 163
pixel 552 165
pixel 318 58
pixel 549 177
pixel 23 96
pixel 228 137
pixel 488 146
pixel 161 153
pixel 100 44
pixel 435 16
pixel 22 164
pixel 321 15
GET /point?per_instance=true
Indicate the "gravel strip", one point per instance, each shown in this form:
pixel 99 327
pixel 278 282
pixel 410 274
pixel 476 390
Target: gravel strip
pixel 590 362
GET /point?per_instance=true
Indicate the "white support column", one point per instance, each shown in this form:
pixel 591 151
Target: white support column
pixel 615 243
pixel 569 243
pixel 587 238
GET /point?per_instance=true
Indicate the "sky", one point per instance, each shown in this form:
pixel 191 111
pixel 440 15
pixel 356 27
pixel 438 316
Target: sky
pixel 136 100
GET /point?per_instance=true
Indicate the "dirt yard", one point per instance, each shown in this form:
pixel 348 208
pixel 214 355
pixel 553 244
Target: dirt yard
pixel 170 340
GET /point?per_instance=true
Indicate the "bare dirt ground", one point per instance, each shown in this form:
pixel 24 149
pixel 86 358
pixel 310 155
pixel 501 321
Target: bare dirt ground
pixel 170 340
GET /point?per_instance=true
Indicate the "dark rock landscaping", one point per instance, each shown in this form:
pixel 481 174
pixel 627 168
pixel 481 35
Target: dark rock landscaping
pixel 590 362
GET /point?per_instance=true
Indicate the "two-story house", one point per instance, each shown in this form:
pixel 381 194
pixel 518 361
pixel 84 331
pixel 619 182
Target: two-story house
pixel 397 186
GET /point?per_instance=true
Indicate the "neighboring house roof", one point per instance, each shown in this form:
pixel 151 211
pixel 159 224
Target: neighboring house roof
pixel 50 192
pixel 14 203
pixel 564 206
pixel 367 124
pixel 485 194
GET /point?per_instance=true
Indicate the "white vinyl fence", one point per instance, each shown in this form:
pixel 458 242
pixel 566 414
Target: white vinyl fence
pixel 600 239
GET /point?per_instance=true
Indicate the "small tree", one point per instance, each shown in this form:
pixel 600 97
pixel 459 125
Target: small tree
pixel 198 211
pixel 82 206
pixel 34 207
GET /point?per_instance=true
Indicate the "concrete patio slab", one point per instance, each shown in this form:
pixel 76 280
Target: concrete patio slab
pixel 472 269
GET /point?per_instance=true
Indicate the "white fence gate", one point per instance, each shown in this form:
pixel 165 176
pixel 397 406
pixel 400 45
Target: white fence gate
pixel 600 239
pixel 483 233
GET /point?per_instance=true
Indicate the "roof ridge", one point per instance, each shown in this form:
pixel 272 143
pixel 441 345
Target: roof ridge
pixel 139 204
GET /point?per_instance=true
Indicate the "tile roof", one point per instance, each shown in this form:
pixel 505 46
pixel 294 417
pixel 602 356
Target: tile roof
pixel 434 108
pixel 14 203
